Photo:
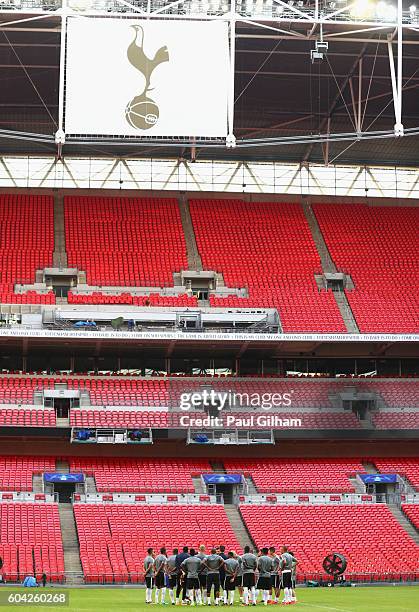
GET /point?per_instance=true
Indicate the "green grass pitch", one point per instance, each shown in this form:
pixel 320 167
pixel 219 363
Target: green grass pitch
pixel 356 599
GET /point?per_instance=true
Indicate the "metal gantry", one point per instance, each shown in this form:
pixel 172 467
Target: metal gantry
pixel 35 172
pixel 356 21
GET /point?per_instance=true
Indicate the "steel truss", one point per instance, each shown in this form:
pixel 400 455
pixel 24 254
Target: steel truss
pixel 270 19
pixel 209 176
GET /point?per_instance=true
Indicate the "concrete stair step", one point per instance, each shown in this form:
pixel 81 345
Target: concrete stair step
pixel 38 398
pixel 238 526
pixel 84 399
pixel 346 312
pixel 194 258
pixel 369 467
pixel 367 424
pixel 37 483
pixel 62 467
pixel 402 519
pixel 359 488
pixel 63 422
pixel 328 266
pixel 251 487
pixel 198 486
pixel 217 466
pixel 60 255
pixel 72 562
pixel 90 484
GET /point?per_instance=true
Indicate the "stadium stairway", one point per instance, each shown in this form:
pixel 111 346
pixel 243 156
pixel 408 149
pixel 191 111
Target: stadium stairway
pixel 62 467
pixel 402 519
pixel 72 563
pixel 198 485
pixel 60 254
pixel 359 488
pixel 251 487
pixel 194 258
pixel 240 530
pixel 369 467
pixel 90 485
pixel 329 266
pixel 217 466
pixel 37 483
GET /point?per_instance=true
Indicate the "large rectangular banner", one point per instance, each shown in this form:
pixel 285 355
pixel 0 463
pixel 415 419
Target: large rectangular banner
pixel 137 77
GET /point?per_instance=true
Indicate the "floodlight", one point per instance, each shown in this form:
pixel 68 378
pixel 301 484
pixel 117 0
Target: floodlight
pixel 362 9
pixel 386 11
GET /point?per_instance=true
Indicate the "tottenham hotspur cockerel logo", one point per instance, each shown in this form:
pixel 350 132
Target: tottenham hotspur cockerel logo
pixel 142 112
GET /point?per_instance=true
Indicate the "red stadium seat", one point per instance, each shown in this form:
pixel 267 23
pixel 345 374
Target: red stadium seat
pixel 26 244
pixel 268 248
pixel 409 468
pixel 378 247
pixel 31 541
pixel 114 537
pixel 126 242
pixel 298 475
pixel 141 475
pixel 366 534
pixel 16 473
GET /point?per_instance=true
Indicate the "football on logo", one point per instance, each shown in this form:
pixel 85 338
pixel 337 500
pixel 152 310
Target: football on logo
pixel 142 113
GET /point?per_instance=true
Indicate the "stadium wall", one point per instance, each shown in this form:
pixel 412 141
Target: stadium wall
pixel 325 448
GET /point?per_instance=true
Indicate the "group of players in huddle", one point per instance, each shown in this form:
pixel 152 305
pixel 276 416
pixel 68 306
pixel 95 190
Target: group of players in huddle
pixel 194 576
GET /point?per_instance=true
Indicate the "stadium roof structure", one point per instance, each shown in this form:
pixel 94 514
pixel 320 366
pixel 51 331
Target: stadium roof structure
pixel 288 106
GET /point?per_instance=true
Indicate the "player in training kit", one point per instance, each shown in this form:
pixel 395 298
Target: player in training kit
pixel 239 576
pixel 213 563
pixel 203 573
pixel 264 569
pixel 190 567
pixel 249 567
pixel 149 575
pixel 275 577
pixel 172 574
pixel 286 561
pixel 231 567
pixel 222 552
pixel 293 577
pixel 181 583
pixel 160 576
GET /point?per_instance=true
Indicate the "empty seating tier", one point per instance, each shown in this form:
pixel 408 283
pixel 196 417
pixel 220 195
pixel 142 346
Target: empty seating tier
pixel 166 392
pixel 378 247
pixel 396 420
pixel 267 248
pixel 114 538
pixel 119 418
pixel 367 535
pixel 26 244
pixel 405 467
pixel 298 475
pixel 141 475
pixel 124 242
pixel 30 541
pixel 20 417
pixel 16 472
